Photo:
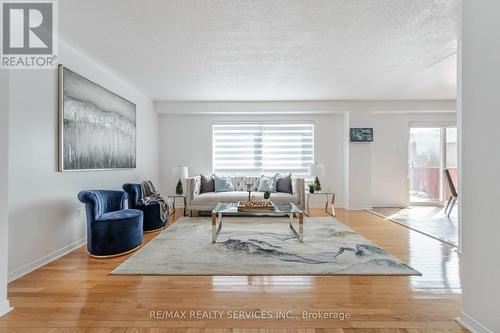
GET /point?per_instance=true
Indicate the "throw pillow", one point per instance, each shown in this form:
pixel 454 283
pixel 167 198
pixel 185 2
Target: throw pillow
pixel 284 184
pixel 207 184
pixel 223 184
pixel 267 183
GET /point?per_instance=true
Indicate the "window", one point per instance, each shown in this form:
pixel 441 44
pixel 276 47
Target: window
pixel 262 148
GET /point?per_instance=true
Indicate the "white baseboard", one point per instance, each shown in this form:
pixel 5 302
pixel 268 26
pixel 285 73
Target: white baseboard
pixel 14 275
pixel 4 307
pixel 471 324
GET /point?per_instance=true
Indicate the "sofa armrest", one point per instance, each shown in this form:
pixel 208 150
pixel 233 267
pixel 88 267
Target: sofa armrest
pixel 298 188
pixel 193 186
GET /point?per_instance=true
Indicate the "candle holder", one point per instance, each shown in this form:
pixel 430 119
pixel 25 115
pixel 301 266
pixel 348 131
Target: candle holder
pixel 249 187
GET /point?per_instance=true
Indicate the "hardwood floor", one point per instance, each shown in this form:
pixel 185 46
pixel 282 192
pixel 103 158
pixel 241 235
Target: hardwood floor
pixel 76 294
pixel 429 220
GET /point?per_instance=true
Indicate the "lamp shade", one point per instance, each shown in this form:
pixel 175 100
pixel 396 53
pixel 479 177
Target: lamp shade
pixel 316 170
pixel 180 172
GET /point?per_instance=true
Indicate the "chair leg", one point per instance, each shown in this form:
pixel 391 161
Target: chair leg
pixel 448 205
pixel 452 204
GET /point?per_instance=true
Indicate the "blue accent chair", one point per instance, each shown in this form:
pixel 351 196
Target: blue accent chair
pixel 111 230
pixel 152 220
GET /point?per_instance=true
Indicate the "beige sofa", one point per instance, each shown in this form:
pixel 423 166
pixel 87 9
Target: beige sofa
pixel 204 202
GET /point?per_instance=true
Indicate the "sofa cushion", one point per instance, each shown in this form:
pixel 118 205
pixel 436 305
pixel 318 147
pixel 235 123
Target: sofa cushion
pixel 207 184
pixel 123 214
pixel 223 184
pixel 240 183
pixel 267 183
pixel 284 184
pixel 213 198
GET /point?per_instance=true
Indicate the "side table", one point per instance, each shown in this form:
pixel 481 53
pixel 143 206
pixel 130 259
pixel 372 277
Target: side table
pixel 174 197
pixel 330 211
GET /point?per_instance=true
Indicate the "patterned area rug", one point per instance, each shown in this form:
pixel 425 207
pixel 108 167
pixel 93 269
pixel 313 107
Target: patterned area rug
pixel 262 246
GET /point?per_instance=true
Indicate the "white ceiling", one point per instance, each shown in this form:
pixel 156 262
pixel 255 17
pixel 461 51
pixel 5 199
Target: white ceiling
pixel 272 50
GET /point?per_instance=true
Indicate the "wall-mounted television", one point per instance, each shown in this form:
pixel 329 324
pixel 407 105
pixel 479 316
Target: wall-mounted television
pixel 361 134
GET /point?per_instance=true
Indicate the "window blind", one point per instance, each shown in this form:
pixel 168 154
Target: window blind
pixel 262 148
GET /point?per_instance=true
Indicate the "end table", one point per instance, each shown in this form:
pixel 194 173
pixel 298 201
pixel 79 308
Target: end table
pixel 174 197
pixel 327 202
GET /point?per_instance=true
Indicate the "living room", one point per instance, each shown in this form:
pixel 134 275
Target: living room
pixel 296 118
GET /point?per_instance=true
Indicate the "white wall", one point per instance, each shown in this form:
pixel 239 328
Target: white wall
pixel 4 178
pixel 187 140
pixel 378 170
pixel 45 217
pixel 360 164
pixel 480 165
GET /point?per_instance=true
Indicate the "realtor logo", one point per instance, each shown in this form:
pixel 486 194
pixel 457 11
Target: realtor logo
pixel 29 38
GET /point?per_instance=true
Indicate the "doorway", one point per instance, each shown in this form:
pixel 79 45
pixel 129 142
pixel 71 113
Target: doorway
pixel 431 150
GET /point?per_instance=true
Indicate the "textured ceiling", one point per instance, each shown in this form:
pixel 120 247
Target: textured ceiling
pixel 272 50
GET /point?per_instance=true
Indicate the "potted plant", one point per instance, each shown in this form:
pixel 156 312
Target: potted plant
pixel 178 189
pixel 311 187
pixel 267 195
pixel 317 185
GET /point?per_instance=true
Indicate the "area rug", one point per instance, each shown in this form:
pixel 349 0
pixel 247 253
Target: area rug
pixel 261 246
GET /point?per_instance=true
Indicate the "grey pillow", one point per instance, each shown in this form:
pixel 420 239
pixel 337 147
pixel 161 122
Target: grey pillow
pixel 284 184
pixel 207 184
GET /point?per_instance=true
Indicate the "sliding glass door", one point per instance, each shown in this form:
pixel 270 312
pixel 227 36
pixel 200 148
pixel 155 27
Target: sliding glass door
pixel 425 165
pixel 431 150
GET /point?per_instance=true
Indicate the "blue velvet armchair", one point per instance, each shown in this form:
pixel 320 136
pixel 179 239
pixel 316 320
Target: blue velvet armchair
pixel 111 230
pixel 152 220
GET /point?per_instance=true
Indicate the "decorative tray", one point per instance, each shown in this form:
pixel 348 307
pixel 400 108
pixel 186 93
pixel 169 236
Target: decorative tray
pixel 255 206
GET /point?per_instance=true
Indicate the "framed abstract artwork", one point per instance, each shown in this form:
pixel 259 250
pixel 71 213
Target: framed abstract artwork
pixel 97 128
pixel 361 135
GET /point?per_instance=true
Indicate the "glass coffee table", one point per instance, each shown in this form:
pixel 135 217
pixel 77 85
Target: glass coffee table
pixel 231 209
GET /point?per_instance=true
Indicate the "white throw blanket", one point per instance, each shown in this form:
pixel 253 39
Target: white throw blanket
pixel 149 194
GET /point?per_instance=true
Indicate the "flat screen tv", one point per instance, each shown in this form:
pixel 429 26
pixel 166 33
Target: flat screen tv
pixel 361 134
